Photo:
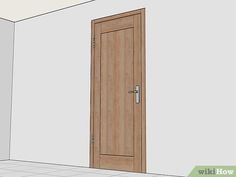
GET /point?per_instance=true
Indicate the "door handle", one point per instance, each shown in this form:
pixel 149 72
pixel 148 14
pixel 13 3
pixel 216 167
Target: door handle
pixel 137 93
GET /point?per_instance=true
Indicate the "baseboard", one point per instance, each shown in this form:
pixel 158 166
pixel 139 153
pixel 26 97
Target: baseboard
pixel 4 159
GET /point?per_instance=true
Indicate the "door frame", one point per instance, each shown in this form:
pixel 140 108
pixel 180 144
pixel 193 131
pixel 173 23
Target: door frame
pixel 143 95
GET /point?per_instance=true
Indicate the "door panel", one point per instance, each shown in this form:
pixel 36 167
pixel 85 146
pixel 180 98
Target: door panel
pixel 117 77
pixel 117 120
pixel 116 162
pixel 117 24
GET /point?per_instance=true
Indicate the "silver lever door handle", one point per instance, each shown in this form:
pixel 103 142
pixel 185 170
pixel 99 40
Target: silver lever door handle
pixel 137 93
pixel 132 91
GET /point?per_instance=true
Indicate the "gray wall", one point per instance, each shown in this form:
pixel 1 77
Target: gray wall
pixel 6 59
pixel 190 84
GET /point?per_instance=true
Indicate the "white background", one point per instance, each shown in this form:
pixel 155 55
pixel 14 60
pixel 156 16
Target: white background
pixel 17 10
pixel 191 98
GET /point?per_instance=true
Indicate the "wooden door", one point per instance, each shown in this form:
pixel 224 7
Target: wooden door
pixel 118 93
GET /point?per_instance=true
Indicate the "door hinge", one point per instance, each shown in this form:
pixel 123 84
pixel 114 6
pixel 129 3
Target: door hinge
pixel 92 139
pixel 93 42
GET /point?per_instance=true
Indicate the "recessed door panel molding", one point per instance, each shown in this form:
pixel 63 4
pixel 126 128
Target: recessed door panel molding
pixel 118 116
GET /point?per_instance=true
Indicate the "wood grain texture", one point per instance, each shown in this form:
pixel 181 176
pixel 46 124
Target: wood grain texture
pixel 91 162
pixel 119 24
pixel 138 107
pixel 117 16
pixel 117 77
pixel 118 124
pixel 97 97
pixel 116 163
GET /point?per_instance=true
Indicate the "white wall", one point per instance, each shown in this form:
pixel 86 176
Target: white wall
pixel 191 61
pixel 6 59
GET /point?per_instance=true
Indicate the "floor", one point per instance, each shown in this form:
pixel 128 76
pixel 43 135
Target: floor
pixel 13 168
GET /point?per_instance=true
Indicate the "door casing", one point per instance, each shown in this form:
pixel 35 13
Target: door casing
pixel 143 85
